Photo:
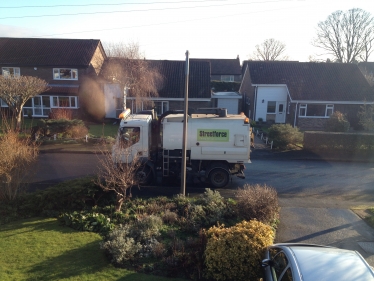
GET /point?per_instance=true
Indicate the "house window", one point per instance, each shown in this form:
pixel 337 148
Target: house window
pixel 11 71
pixel 65 74
pixel 271 106
pixel 64 102
pixel 3 103
pixel 316 110
pixel 227 78
pixel 329 109
pixel 161 107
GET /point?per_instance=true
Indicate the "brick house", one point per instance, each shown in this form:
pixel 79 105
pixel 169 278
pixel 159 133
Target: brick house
pixel 303 94
pixel 64 63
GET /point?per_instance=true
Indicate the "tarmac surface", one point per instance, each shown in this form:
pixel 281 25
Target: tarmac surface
pixel 313 221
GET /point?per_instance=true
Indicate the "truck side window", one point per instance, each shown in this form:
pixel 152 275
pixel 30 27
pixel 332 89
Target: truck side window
pixel 129 136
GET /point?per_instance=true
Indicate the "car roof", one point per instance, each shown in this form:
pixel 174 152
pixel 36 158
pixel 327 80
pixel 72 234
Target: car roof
pixel 317 262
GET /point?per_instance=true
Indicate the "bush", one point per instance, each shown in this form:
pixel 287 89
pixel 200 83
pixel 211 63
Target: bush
pixel 284 135
pixel 17 158
pixel 258 202
pixel 66 128
pixel 87 221
pixel 234 253
pixel 337 123
pixel 120 245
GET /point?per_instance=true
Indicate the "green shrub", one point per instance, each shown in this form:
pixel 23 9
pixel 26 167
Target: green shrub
pixel 284 135
pixel 214 206
pixel 234 253
pixel 146 228
pixel 258 202
pixel 87 221
pixel 120 246
pixel 65 128
pixel 337 123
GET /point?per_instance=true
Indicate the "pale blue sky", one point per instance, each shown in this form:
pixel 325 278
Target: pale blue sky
pixel 165 29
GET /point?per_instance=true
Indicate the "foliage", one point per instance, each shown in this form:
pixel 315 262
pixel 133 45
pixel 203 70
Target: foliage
pixel 234 253
pixel 120 245
pixel 284 135
pixel 17 158
pixel 359 143
pixel 74 195
pixel 259 202
pixel 348 36
pixel 221 86
pixel 337 123
pixel 87 221
pixel 63 127
pixel 270 50
pixel 61 113
pixel 16 91
pixel 133 240
pixel 366 116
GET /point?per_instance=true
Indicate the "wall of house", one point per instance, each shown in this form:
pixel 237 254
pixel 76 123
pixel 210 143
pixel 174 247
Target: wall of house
pixel 311 124
pixel 268 93
pixel 247 91
pixel 46 73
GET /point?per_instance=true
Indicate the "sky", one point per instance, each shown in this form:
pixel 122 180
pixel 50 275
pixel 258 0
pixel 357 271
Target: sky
pixel 166 29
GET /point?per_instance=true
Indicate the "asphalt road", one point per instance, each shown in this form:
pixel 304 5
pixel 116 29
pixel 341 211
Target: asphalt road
pixel 316 197
pixel 327 182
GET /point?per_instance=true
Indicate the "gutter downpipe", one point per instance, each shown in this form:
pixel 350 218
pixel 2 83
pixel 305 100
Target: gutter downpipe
pixel 294 120
pixel 255 104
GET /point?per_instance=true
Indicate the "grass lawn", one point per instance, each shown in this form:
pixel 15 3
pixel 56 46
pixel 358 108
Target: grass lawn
pixel 40 249
pixel 105 129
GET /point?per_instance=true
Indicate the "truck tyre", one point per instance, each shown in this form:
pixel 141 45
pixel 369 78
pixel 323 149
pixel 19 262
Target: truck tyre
pixel 219 177
pixel 144 175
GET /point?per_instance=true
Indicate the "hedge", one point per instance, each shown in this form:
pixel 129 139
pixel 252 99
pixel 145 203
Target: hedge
pixel 339 140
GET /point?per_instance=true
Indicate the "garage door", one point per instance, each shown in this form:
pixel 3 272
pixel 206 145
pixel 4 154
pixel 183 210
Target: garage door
pixel 230 104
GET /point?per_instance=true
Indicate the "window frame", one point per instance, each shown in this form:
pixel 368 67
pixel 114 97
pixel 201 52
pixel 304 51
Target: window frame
pixel 16 71
pixel 275 107
pixel 303 110
pixel 231 78
pixel 72 100
pixel 58 72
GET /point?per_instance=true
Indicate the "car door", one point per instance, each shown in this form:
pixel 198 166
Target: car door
pixel 278 267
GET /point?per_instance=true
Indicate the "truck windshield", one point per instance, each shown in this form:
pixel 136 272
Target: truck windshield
pixel 129 136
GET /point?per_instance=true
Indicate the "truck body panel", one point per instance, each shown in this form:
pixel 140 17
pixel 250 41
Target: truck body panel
pixel 217 145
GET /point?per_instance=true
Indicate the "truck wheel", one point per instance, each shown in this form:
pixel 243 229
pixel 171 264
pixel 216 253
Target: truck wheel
pixel 144 175
pixel 219 177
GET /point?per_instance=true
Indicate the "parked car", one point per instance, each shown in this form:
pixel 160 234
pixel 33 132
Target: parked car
pixel 308 262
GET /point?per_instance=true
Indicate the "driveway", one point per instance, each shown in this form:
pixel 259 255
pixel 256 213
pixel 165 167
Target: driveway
pixel 320 220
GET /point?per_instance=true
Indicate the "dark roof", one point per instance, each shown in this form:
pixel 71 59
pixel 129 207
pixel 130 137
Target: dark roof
pixel 223 66
pixel 367 67
pixel 173 77
pixel 47 52
pixel 313 81
pixel 173 74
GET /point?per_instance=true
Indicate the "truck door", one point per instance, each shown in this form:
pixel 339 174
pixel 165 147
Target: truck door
pixel 130 141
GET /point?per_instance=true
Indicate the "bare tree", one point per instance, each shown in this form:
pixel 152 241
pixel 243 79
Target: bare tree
pixel 270 50
pixel 116 177
pixel 348 36
pixel 16 91
pixel 126 65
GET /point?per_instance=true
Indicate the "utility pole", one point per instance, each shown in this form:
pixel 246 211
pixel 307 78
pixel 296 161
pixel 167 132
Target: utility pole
pixel 183 171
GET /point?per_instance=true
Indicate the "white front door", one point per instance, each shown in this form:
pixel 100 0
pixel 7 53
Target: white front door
pixel 280 113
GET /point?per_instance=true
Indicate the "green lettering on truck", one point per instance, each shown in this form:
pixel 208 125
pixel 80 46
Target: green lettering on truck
pixel 214 135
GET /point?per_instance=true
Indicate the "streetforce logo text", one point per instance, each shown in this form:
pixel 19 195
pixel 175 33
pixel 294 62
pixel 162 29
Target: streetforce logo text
pixel 215 135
